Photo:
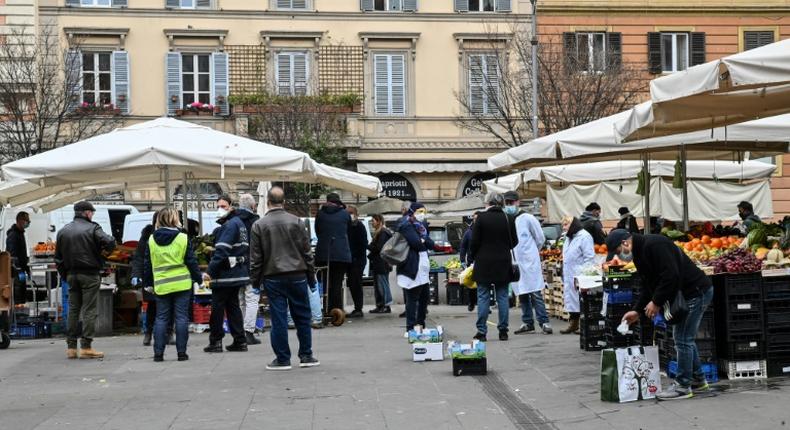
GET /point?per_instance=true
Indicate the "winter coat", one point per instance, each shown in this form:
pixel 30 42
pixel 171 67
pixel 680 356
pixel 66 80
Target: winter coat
pixel 628 223
pixel 331 228
pixel 593 225
pixel 280 246
pixel 530 240
pixel 163 237
pixel 248 218
pixel 138 259
pixel 576 253
pixel 16 245
pixel 79 246
pixel 358 242
pixel 664 269
pixel 493 236
pixel 377 264
pixel 417 244
pixel 230 240
pixel 463 251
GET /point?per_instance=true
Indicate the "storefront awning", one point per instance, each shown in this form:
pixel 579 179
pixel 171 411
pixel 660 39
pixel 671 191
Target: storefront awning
pixel 421 167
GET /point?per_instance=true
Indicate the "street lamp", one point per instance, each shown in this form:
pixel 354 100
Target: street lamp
pixel 534 42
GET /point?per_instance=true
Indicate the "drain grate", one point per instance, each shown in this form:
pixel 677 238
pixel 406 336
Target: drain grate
pixel 524 417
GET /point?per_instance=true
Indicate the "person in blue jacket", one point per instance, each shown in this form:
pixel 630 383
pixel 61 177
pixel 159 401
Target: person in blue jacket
pixel 228 272
pixel 332 250
pixel 413 273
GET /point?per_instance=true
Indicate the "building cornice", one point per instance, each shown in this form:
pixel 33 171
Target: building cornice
pixel 576 9
pixel 120 33
pixel 429 145
pixel 172 34
pixel 367 36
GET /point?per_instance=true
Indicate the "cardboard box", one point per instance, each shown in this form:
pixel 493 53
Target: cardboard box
pixel 433 351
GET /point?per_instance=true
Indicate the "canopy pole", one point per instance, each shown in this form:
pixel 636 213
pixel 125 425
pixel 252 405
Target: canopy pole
pixel 683 163
pixel 167 186
pixel 646 174
pixel 199 201
pixel 184 193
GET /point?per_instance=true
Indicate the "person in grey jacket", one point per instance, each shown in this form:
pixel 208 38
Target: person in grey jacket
pixel 79 261
pixel 281 260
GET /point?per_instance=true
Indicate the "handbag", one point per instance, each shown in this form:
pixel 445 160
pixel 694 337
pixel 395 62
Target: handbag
pixel 676 310
pixel 515 273
pixel 630 374
pixel 395 250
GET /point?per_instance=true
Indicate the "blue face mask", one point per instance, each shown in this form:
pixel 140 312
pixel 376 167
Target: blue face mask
pixel 510 210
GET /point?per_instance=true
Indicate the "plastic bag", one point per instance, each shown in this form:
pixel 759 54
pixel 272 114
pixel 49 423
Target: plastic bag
pixel 466 277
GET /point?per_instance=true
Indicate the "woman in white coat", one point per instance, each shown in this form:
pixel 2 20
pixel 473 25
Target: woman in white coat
pixel 577 252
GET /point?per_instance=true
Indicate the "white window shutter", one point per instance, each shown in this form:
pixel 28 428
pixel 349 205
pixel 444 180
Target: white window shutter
pixel 283 74
pixel 394 5
pixel 75 3
pixel 366 5
pixel 219 82
pixel 299 4
pixel 173 72
pixel 492 84
pixel 398 84
pixel 476 81
pixel 503 6
pixel 381 82
pixel 203 4
pixel 283 4
pixel 73 69
pixel 175 4
pixel 410 5
pixel 120 81
pixel 120 3
pixel 462 5
pixel 301 74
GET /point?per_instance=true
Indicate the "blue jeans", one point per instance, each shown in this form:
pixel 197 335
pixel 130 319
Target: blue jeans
pixel 315 308
pixel 685 333
pixel 416 305
pixel 178 304
pixel 383 293
pixel 483 299
pixel 285 294
pixel 533 300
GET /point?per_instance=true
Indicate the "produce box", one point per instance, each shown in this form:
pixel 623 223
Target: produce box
pixel 426 335
pixel 466 351
pixel 477 366
pixel 431 351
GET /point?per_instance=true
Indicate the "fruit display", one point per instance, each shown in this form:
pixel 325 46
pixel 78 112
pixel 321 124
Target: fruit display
pixel 706 248
pixel 434 264
pixel 601 249
pixel 44 249
pixel 551 255
pixel 119 255
pixel 736 261
pixel 453 263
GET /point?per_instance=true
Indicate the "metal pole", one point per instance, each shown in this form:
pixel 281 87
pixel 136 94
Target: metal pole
pixel 167 186
pixel 683 163
pixel 184 192
pixel 534 69
pixel 199 199
pixel 646 174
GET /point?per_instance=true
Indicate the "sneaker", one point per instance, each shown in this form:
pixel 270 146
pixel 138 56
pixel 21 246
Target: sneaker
pixel 700 385
pixel 525 328
pixel 309 362
pixel 386 310
pixel 276 365
pixel 355 314
pixel 159 358
pixel 503 335
pixel 675 392
pixel 182 356
pixel 237 347
pixel 251 339
pixel 547 328
pixel 480 336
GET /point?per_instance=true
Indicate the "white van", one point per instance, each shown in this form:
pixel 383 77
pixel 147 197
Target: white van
pixel 111 218
pixel 134 224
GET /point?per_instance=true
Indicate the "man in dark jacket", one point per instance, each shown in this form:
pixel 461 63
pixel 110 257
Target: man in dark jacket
pixel 250 296
pixel 138 276
pixel 228 273
pixel 466 261
pixel 332 250
pixel 358 245
pixel 746 212
pixel 380 269
pixel 591 221
pixel 79 261
pixel 282 261
pixel 16 245
pixel 627 221
pixel 665 270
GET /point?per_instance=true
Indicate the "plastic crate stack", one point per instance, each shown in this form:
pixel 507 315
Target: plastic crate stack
pixel 740 330
pixel 705 340
pixel 619 299
pixel 591 322
pixel 776 296
pixel 643 330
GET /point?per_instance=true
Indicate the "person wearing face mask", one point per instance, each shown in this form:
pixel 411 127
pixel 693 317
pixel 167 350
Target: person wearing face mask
pixel 358 245
pixel 379 268
pixel 16 245
pixel 414 272
pixel 530 285
pixel 665 270
pixel 746 212
pixel 577 252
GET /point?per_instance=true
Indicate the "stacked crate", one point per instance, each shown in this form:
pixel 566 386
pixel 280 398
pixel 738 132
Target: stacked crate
pixel 619 300
pixel 591 322
pixel 740 330
pixel 776 295
pixel 705 340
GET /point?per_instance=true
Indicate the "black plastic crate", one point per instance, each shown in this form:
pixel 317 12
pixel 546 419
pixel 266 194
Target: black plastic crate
pixel 478 366
pixel 456 295
pixel 619 341
pixel 776 287
pixel 737 283
pixel 619 283
pixel 778 365
pixel 744 304
pixel 742 347
pixel 707 350
pixel 778 349
pixel 707 327
pixel 616 311
pixel 592 343
pixel 593 327
pixel 777 318
pixel 739 324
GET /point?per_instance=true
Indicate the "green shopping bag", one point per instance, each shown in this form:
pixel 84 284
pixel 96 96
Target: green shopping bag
pixel 609 387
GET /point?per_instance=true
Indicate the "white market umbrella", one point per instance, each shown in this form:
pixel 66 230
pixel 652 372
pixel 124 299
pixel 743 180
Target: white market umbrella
pixel 736 88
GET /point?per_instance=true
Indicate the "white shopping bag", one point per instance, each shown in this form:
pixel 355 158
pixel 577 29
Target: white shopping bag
pixel 638 373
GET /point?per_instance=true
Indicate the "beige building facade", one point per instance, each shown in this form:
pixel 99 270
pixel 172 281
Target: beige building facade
pixel 405 59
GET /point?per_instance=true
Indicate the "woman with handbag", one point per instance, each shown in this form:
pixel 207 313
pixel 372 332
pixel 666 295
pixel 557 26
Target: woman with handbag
pixel 414 271
pixel 491 248
pixel 577 251
pixel 378 267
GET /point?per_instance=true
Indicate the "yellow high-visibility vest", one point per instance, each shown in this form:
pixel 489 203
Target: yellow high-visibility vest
pixel 171 275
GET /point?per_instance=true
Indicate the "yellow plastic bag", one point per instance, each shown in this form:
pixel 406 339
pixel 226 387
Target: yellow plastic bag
pixel 466 277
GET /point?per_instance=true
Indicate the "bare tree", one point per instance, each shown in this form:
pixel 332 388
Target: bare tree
pixel 576 85
pixel 40 86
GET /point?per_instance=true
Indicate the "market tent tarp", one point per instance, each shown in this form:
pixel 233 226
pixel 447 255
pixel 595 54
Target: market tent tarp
pixel 708 200
pixel 629 169
pixel 597 140
pixel 736 88
pixel 460 207
pixel 383 205
pixel 154 151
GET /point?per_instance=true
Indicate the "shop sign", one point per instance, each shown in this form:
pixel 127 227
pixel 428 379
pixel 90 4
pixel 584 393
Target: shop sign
pixel 475 184
pixel 397 187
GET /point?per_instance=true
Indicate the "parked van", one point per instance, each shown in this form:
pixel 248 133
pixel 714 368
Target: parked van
pixel 134 224
pixel 109 217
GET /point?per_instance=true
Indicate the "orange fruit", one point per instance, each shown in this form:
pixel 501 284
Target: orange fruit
pixel 604 249
pixel 689 246
pixel 706 240
pixel 716 243
pixel 699 248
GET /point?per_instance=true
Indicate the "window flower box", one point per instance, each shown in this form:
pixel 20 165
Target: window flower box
pixel 97 109
pixel 198 109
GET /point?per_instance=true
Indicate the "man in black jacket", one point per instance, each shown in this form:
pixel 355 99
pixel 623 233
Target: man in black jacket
pixel 332 250
pixel 665 270
pixel 358 244
pixel 79 261
pixel 16 245
pixel 591 221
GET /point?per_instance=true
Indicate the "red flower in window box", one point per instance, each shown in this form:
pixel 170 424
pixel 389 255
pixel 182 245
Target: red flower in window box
pixel 97 109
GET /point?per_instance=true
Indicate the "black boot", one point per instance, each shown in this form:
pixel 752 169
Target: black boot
pixel 147 339
pixel 213 347
pixel 237 347
pixel 251 339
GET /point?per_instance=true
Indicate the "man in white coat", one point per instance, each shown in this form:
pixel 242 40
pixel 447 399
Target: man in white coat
pixel 530 286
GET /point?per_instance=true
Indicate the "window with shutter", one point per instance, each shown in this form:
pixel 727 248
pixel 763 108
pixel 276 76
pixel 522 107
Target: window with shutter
pixel 389 5
pixel 96 3
pixel 292 73
pixel 195 79
pixel 390 84
pixel 398 84
pixel 756 39
pixel 173 73
pixel 97 78
pixel 503 6
pixel 120 3
pixel 614 51
pixel 291 4
pixel 697 50
pixel 462 5
pixel 189 4
pixel 675 52
pixel 73 67
pixel 120 81
pixel 590 54
pixel 483 5
pixel 484 84
pixel 654 52
pixel 220 82
pixel 366 5
pixel 410 5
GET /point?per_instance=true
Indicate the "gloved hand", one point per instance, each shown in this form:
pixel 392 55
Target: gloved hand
pixel 22 276
pixel 135 282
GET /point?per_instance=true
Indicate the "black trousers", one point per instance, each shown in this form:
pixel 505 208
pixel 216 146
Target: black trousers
pixel 225 300
pixel 334 284
pixel 354 283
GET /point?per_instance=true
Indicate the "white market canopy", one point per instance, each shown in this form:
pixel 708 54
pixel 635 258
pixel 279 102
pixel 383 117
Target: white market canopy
pixel 629 169
pixel 155 151
pixel 597 140
pixel 737 88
